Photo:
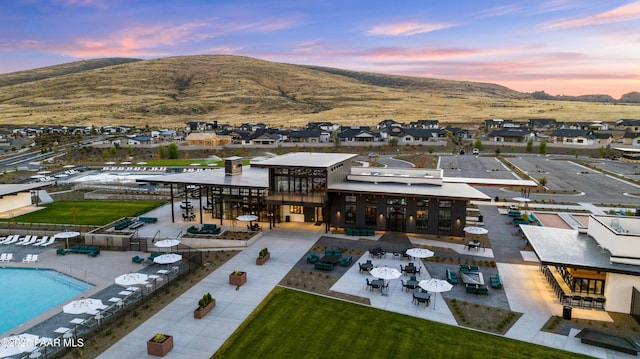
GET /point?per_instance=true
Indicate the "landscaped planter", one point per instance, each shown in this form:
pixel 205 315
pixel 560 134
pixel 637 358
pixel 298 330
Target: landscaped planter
pixel 199 313
pixel 261 260
pixel 154 347
pixel 237 278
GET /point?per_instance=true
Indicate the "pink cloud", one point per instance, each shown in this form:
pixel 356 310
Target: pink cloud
pixel 499 11
pixel 407 28
pixel 627 12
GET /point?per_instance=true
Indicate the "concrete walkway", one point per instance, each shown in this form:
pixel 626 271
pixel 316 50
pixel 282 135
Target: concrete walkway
pixel 200 338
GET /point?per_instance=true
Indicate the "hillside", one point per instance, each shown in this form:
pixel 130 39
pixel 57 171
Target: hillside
pixel 170 91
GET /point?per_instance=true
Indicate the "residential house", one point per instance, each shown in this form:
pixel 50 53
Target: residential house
pixel 573 136
pixel 358 134
pixel 323 126
pixel 415 136
pixel 542 123
pixel 207 139
pixel 426 124
pixel 511 135
pixel 631 138
pixel 500 123
pixel 459 133
pixel 265 137
pixel 308 136
pixel 629 124
pixel 388 123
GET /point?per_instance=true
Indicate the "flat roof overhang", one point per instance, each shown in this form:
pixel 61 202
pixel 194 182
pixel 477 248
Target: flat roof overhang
pixel 249 178
pixel 458 191
pixel 305 159
pixel 10 189
pixel 569 248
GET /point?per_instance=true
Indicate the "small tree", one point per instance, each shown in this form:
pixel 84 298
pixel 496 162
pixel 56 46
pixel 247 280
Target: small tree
pixel 477 144
pixel 530 145
pixel 542 149
pixel 543 182
pixel 173 151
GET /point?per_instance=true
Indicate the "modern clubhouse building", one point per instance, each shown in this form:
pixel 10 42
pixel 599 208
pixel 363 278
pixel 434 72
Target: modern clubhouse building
pixel 325 189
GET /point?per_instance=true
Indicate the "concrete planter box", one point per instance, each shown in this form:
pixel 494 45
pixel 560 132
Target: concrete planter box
pixel 238 279
pixel 160 349
pixel 263 260
pixel 199 313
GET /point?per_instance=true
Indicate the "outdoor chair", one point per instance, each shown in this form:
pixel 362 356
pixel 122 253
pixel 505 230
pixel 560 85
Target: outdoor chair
pixel 369 286
pixel 576 301
pixel 599 303
pixel 587 302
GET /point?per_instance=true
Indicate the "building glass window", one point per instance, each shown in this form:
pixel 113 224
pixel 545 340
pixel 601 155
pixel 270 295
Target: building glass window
pixel 422 219
pixel 349 198
pixel 370 215
pixel 295 209
pixel 350 214
pixel 444 220
pixel 397 201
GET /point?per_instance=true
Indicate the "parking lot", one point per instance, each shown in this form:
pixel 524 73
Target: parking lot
pixel 570 181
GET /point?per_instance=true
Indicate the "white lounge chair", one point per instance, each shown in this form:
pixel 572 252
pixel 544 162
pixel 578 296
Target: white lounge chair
pixel 9 257
pixel 41 241
pixel 13 240
pixel 32 240
pixel 51 241
pixel 34 258
pixel 27 259
pixel 3 257
pixel 22 240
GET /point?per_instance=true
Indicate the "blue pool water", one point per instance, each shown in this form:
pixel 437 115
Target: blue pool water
pixel 27 293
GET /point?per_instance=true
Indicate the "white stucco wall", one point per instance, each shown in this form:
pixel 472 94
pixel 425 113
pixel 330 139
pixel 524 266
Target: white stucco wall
pixel 618 292
pixel 11 202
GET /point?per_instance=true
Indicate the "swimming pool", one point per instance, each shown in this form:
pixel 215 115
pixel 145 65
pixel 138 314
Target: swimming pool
pixel 27 293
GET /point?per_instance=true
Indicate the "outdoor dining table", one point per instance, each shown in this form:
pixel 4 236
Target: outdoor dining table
pixel 366 266
pixel 422 295
pixel 412 284
pixel 473 245
pixel 378 284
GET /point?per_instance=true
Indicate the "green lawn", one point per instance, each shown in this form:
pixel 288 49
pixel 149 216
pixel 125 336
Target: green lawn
pixel 292 324
pixel 87 212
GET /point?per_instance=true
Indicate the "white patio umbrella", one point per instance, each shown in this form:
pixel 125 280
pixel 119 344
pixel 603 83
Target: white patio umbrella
pixel 66 235
pixel 385 273
pixel 436 286
pixel 17 344
pixel 167 258
pixel 167 243
pixel 419 252
pixel 85 305
pixel 130 279
pixel 247 218
pixel 475 230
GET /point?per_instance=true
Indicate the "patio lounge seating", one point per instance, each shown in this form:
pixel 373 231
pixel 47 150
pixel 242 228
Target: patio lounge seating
pixel 148 219
pixel 346 261
pixel 62 251
pixel 323 266
pixel 495 281
pixel 452 277
pixel 312 258
pixel 137 259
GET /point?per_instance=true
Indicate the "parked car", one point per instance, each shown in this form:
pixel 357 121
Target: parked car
pixel 475 151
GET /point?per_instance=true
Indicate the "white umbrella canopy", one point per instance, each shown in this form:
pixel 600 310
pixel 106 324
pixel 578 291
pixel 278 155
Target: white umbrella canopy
pixel 167 243
pixel 16 344
pixel 130 279
pixel 419 253
pixel 167 258
pixel 475 230
pixel 522 199
pixel 81 306
pixel 247 218
pixel 436 286
pixel 385 273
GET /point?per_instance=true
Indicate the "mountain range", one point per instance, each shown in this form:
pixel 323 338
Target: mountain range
pixel 170 91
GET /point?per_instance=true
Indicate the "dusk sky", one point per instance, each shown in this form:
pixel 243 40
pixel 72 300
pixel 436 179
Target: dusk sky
pixel 562 47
